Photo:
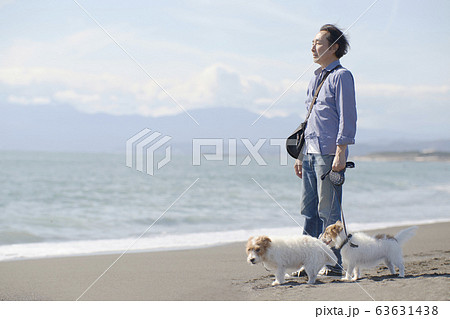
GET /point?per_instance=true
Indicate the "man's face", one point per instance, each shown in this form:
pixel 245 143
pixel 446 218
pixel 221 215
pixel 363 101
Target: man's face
pixel 320 50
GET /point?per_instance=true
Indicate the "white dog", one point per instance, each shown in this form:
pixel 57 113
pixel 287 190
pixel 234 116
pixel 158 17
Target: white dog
pixel 362 251
pixel 279 254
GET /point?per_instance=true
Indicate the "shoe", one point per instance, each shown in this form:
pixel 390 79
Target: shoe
pixel 301 273
pixel 332 272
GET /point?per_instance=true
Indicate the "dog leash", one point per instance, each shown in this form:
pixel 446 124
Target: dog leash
pixel 347 236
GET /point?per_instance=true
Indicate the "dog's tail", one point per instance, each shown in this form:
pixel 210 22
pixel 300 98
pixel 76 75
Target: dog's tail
pixel 404 235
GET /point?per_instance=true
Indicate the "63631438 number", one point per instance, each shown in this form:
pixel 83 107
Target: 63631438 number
pixel 407 310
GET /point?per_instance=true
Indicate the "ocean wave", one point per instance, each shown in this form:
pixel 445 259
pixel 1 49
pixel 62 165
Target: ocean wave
pixel 164 242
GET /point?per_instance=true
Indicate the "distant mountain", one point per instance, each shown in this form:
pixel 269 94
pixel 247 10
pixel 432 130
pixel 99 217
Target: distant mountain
pixel 399 146
pixel 63 128
pixel 407 156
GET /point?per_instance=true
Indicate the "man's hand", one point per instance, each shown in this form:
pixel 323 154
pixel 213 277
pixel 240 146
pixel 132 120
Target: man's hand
pixel 298 168
pixel 339 159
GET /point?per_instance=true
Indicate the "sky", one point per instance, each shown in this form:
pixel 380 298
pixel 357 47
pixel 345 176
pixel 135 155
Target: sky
pixel 160 58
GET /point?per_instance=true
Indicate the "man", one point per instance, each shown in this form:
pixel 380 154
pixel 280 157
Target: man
pixel 330 128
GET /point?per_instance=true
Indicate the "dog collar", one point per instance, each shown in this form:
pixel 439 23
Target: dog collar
pixel 348 240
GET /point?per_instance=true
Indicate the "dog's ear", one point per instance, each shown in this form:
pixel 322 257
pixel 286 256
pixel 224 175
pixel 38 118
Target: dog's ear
pixel 266 240
pixel 249 242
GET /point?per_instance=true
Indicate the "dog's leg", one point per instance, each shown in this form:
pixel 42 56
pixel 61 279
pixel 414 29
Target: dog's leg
pixel 356 273
pixel 398 262
pixel 349 272
pixel 279 276
pixel 401 269
pixel 312 274
pixel 390 265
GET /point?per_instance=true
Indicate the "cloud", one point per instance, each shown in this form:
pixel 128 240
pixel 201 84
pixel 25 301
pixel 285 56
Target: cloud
pixel 5 2
pixel 72 97
pixel 220 85
pixel 86 69
pixel 217 85
pixel 22 100
pixel 399 90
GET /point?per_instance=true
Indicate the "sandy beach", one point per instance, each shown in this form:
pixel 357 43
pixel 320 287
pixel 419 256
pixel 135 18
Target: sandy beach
pixel 222 273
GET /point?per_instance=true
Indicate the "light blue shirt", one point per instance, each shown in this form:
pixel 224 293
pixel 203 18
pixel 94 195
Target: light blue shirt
pixel 333 118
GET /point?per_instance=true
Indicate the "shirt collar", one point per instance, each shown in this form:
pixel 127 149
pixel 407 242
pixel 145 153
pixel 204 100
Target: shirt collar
pixel 329 67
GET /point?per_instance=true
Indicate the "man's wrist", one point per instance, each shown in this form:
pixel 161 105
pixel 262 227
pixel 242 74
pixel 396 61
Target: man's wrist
pixel 340 149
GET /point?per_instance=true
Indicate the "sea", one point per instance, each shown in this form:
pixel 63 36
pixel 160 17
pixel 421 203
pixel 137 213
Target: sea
pixel 70 204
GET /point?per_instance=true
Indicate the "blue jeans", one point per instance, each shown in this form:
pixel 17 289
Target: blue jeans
pixel 320 201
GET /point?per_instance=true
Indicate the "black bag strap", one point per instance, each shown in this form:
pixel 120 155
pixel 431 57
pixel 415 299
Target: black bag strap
pixel 317 92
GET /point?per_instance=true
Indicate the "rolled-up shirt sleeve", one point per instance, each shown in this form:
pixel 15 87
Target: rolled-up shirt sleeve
pixel 346 108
